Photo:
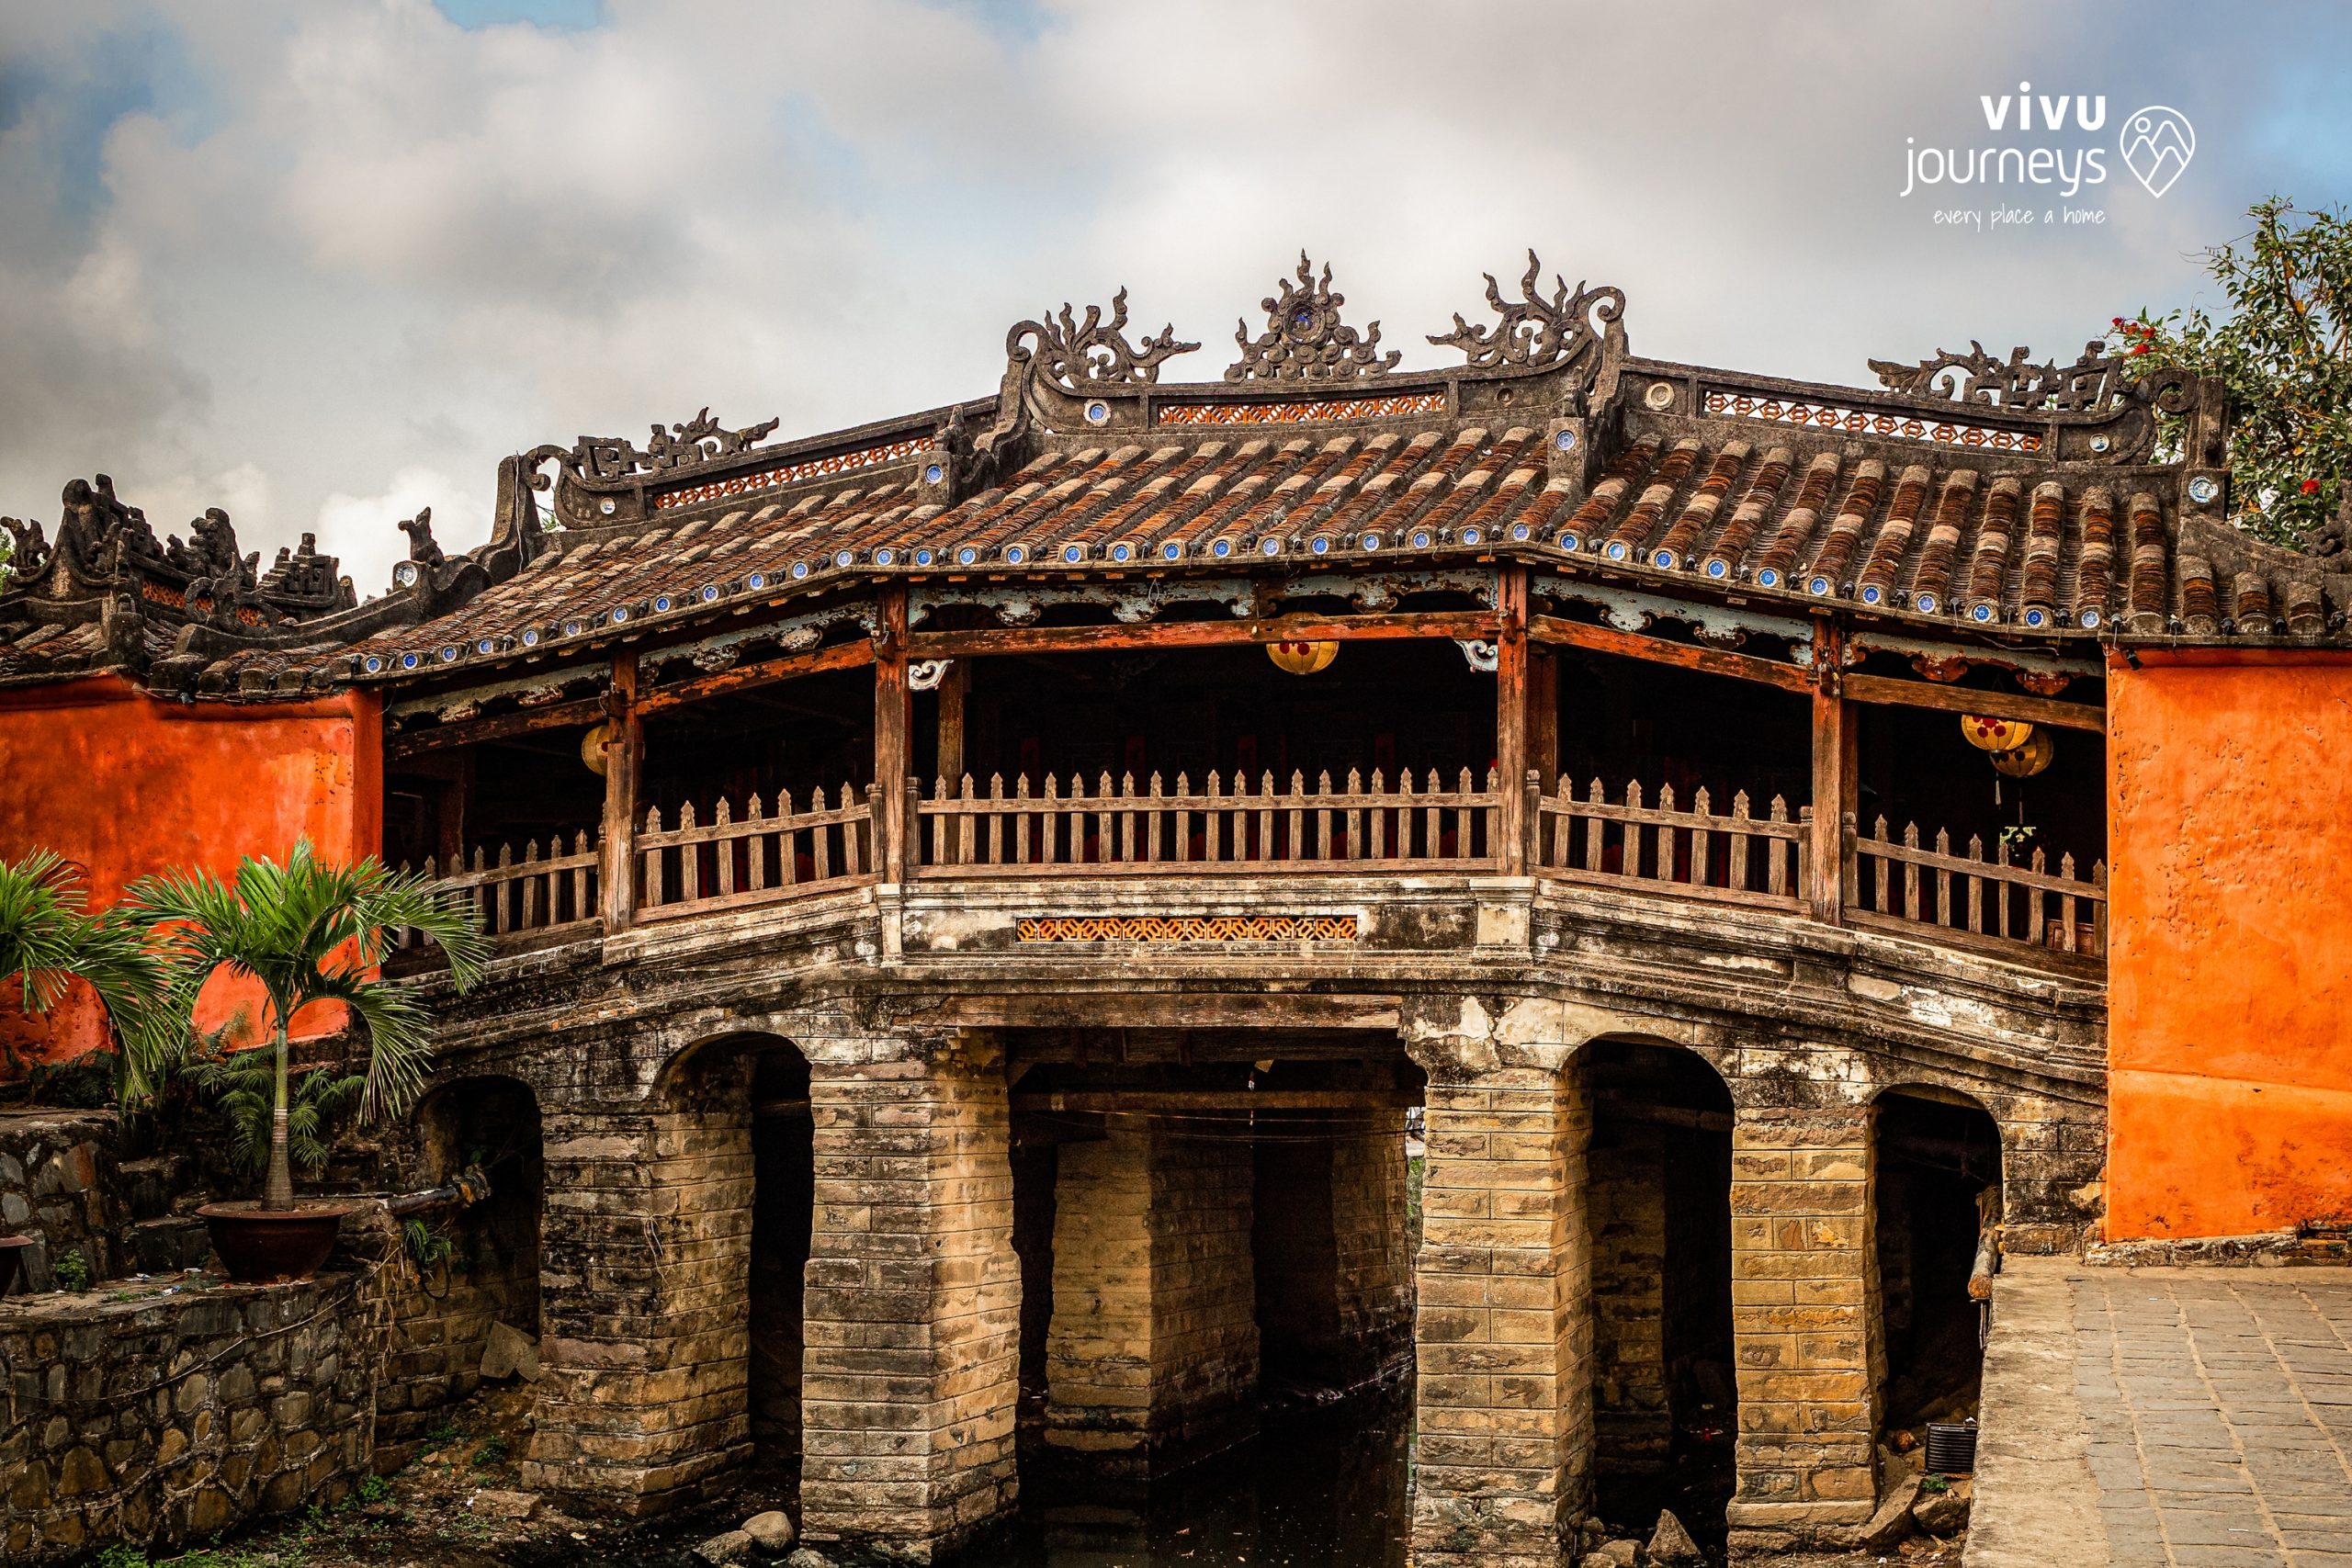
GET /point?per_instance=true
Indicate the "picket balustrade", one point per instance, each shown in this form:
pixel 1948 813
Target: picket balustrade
pixel 1126 827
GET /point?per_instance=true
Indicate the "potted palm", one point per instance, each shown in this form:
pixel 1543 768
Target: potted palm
pixel 49 940
pixel 308 932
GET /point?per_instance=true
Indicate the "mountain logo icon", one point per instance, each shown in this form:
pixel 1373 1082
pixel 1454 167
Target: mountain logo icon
pixel 2158 142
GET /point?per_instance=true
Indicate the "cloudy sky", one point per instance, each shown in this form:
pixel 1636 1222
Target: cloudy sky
pixel 322 261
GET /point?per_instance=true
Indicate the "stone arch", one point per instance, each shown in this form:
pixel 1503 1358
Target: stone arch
pixel 1658 1172
pixel 744 1097
pixel 1938 1157
pixel 469 1310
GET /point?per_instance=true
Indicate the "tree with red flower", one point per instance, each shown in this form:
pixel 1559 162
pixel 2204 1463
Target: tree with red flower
pixel 2283 352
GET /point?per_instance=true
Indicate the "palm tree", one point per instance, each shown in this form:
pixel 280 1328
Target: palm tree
pixel 49 939
pixel 310 932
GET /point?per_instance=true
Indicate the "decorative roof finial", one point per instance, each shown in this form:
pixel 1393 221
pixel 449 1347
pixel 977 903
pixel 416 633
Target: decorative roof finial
pixel 1535 332
pixel 2093 382
pixel 1073 355
pixel 1304 341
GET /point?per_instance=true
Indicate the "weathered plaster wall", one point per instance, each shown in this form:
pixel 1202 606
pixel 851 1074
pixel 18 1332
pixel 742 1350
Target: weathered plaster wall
pixel 2230 969
pixel 124 784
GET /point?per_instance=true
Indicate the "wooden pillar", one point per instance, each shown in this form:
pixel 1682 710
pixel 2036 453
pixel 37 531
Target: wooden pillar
pixel 893 722
pixel 1512 691
pixel 1543 714
pixel 624 760
pixel 1833 777
pixel 951 687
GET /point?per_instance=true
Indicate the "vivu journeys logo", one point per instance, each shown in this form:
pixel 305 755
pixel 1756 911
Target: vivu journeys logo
pixel 2158 142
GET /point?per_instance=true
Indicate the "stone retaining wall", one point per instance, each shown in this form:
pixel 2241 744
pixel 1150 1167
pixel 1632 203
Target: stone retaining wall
pixel 57 1185
pixel 166 1418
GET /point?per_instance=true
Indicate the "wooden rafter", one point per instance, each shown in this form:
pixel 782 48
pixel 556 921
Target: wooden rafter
pixel 985 641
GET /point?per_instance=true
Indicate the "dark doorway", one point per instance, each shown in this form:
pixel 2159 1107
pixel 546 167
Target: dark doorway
pixel 1938 1184
pixel 783 1200
pixel 1665 1398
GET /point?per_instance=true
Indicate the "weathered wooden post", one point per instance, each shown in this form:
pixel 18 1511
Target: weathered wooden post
pixel 1512 690
pixel 1828 866
pixel 624 759
pixel 893 720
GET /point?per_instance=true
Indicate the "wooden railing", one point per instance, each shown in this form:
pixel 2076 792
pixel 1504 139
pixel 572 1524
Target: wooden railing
pixel 766 854
pixel 1125 827
pixel 1737 858
pixel 1906 885
pixel 762 856
pixel 534 893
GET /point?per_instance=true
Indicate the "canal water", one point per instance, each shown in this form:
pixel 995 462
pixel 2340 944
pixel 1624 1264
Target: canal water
pixel 1322 1486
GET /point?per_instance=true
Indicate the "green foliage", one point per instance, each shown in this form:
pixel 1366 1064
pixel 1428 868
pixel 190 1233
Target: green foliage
pixel 2283 353
pixel 429 1247
pixel 373 1489
pixel 446 1432
pixel 491 1453
pixel 121 1556
pixel 85 1083
pixel 71 1271
pixel 244 1084
pixel 309 932
pixel 1932 1483
pixel 48 939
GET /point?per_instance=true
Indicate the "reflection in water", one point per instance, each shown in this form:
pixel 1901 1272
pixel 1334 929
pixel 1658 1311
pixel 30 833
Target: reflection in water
pixel 1320 1487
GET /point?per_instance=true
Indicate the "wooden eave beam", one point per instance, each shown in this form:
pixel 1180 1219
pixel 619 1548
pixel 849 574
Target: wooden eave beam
pixel 498 726
pixel 982 641
pixel 1889 692
pixel 1658 650
pixel 765 672
pixel 1881 691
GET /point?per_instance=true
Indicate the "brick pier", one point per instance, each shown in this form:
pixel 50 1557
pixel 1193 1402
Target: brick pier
pixel 913 1324
pixel 1805 1322
pixel 1504 1330
pixel 1153 1354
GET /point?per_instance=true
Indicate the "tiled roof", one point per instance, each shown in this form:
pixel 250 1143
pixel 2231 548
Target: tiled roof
pixel 1953 538
pixel 1958 517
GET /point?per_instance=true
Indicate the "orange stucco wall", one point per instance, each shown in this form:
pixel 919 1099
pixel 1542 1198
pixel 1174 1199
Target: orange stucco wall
pixel 2230 959
pixel 124 784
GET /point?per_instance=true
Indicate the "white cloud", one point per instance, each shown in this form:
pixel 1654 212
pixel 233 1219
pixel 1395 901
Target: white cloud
pixel 368 526
pixel 357 253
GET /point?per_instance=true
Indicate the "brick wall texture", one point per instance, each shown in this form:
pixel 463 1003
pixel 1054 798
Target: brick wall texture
pixel 1504 1335
pixel 913 1365
pixel 1805 1320
pixel 1153 1353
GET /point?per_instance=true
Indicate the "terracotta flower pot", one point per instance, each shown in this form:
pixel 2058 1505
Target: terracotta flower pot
pixel 12 1260
pixel 258 1246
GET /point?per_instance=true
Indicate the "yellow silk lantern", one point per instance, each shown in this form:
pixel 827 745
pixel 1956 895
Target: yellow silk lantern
pixel 1303 658
pixel 591 746
pixel 2024 762
pixel 1988 733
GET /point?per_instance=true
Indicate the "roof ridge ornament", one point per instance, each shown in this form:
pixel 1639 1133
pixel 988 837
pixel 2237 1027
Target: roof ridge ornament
pixel 1535 332
pixel 1304 340
pixel 1076 354
pixel 691 445
pixel 2095 382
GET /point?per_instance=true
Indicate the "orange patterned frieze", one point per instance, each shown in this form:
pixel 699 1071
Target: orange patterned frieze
pixel 1185 928
pixel 1304 411
pixel 792 473
pixel 1863 421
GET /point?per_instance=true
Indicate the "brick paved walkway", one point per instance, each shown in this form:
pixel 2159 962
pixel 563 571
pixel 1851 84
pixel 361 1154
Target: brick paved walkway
pixel 2208 1420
